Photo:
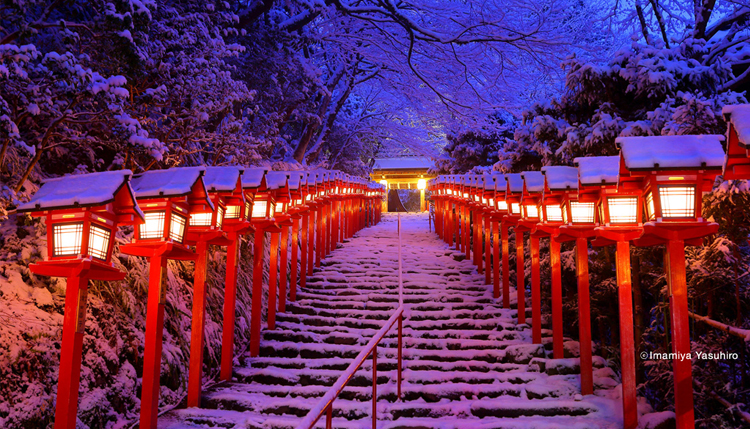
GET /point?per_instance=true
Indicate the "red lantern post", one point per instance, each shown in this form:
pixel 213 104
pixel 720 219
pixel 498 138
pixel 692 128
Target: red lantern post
pixel 167 197
pixel 513 194
pixel 581 220
pixel 498 213
pixel 298 209
pixel 673 173
pixel 619 209
pixel 559 183
pixel 276 181
pixel 533 186
pixel 82 214
pixel 208 228
pixel 263 219
pixel 488 208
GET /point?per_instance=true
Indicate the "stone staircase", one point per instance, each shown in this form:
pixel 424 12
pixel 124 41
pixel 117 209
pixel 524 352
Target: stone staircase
pixel 467 363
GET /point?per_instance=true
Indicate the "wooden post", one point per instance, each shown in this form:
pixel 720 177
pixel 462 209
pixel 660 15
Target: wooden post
pixel 536 298
pixel 230 300
pixel 467 231
pixel 198 323
pixel 303 251
pixel 496 259
pixel 284 267
pixel 678 304
pixel 273 268
pixel 520 277
pixel 66 408
pixel 584 315
pixel 558 352
pixel 627 342
pixel 478 240
pixel 157 294
pixel 487 250
pixel 295 259
pixel 257 300
pixel 311 241
pixel 506 271
pixel 319 234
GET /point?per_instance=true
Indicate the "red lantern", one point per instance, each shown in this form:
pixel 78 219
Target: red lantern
pixel 533 186
pixel 82 214
pixel 499 210
pixel 673 172
pixel 167 198
pixel 737 161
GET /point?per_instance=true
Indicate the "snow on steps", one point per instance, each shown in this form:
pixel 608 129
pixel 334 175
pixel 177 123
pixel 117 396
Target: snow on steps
pixel 466 360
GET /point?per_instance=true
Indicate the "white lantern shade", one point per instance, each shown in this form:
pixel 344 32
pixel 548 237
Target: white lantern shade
pixel 177 227
pixel 622 210
pixel 67 238
pixel 259 209
pixel 582 212
pixel 553 213
pixel 515 208
pixel 153 228
pixel 201 219
pixel 677 202
pixel 532 211
pixel 233 212
pixel 99 241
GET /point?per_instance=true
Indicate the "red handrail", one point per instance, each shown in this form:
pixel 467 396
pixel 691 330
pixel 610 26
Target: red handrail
pixel 325 405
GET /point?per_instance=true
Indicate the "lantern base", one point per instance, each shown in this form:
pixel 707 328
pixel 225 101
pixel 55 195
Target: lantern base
pixel 571 233
pixel 91 269
pixel 216 237
pixel 610 237
pixel 169 250
pixel 692 233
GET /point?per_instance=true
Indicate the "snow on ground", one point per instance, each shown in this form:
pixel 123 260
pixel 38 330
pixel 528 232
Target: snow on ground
pixel 466 360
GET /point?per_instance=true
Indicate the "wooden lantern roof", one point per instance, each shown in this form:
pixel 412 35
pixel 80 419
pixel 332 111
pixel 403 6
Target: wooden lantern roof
pixel 171 183
pixel 105 191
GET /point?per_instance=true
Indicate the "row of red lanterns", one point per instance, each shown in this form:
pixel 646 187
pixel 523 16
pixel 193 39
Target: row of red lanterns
pixel 177 213
pixel 651 194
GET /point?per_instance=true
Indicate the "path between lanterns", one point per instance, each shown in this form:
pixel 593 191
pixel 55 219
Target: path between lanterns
pixel 467 363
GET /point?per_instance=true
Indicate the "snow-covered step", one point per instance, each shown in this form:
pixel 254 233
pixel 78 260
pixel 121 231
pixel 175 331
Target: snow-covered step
pixel 466 360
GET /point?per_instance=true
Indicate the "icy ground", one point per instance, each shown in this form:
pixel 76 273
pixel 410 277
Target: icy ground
pixel 467 363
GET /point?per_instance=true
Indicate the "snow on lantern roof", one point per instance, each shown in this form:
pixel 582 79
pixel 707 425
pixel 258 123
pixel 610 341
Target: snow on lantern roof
pixel 296 178
pixel 515 181
pixel 171 182
pixel 561 177
pixel 598 170
pixel 222 179
pixel 739 116
pixel 276 180
pixel 253 177
pixel 405 163
pixel 644 153
pixel 534 181
pixel 81 190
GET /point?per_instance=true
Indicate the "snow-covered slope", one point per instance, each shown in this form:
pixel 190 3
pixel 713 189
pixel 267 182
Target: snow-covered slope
pixel 467 363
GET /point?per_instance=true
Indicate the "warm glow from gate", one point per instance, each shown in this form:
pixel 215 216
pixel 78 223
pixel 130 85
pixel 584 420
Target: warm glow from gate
pixel 677 201
pixel 98 242
pixel 532 211
pixel 421 184
pixel 582 212
pixel 68 239
pixel 622 210
pixel 154 226
pixel 553 213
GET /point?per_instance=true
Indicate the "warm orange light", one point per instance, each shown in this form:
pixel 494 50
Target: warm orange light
pixel 622 210
pixel 582 212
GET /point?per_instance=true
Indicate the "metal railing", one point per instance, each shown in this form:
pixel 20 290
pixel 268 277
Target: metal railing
pixel 325 405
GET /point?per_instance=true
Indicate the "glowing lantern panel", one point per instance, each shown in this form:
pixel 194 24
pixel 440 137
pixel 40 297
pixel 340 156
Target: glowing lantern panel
pixel 676 201
pixel 259 209
pixel 233 212
pixel 623 210
pixel 515 208
pixel 99 242
pixel 582 212
pixel 153 228
pixel 177 227
pixel 67 240
pixel 532 211
pixel 201 219
pixel 502 205
pixel 553 213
